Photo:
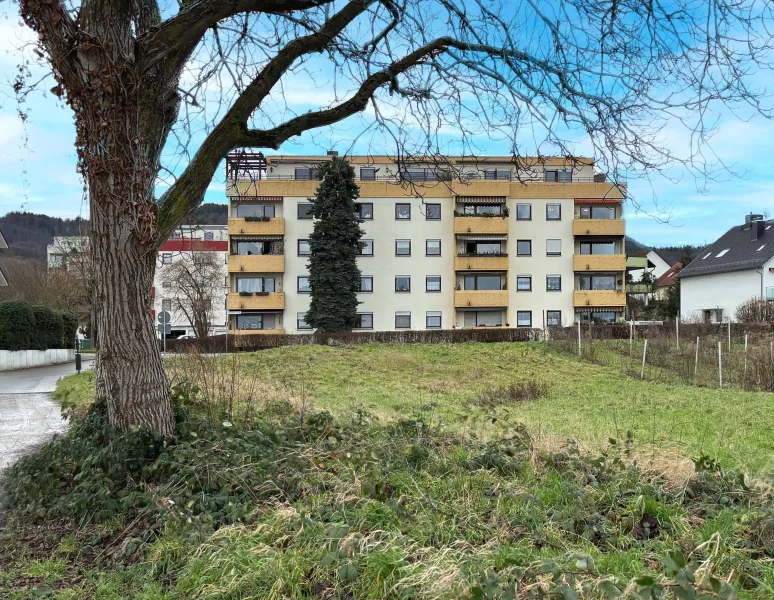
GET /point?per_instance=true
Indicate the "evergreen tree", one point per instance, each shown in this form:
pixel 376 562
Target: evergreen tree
pixel 334 276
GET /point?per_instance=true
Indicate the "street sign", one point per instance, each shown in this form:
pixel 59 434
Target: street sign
pixel 164 318
pixel 165 329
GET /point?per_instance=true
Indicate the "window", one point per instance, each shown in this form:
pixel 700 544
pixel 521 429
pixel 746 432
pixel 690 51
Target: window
pixel 403 212
pixel 265 321
pixel 364 321
pixel 402 320
pixel 597 212
pixel 433 320
pixel 420 175
pixel 433 247
pixel 303 248
pixel 523 318
pixel 433 212
pixel 243 248
pixel 553 283
pixel 770 293
pixel 495 210
pixel 524 283
pixel 523 212
pixel 301 321
pixel 166 284
pixel 252 285
pixel 761 248
pixel 482 282
pixel 166 259
pixel 365 210
pixel 553 212
pixel 483 249
pixel 166 305
pixel 597 248
pixel 597 317
pixel 304 210
pixel 306 174
pixel 366 284
pixel 554 318
pixel 303 286
pixel 722 253
pixel 483 318
pixel 367 174
pixel 433 283
pixel 560 176
pixel 596 282
pixel 553 247
pixel 255 210
pixel 497 174
pixel 366 248
pixel 402 247
pixel 524 247
pixel 208 236
pixel 176 235
pixel 402 283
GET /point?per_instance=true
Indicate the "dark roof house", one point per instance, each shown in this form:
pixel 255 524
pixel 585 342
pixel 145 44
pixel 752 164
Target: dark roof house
pixel 749 246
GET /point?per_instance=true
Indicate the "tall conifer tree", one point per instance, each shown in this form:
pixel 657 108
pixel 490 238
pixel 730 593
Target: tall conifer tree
pixel 334 244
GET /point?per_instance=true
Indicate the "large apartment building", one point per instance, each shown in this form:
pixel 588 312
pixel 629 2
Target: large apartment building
pixel 485 242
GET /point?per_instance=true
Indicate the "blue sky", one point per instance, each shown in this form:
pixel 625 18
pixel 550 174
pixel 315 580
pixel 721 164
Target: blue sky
pixel 38 164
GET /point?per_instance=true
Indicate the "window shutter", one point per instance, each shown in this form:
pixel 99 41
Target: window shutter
pixel 553 246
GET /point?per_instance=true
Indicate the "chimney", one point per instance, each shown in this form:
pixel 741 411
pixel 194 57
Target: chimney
pixel 749 220
pixel 332 153
pixel 756 229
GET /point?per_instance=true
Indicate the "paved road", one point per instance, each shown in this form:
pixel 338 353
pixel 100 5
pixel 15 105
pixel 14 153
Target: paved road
pixel 28 416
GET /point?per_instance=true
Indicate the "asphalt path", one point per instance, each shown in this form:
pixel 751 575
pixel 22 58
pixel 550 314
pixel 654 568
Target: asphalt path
pixel 28 415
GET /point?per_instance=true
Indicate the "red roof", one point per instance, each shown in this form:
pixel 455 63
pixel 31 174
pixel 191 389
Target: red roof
pixel 183 245
pixel 668 278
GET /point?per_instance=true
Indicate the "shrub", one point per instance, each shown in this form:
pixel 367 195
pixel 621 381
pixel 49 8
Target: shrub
pixel 17 326
pixel 69 330
pixel 48 328
pixel 755 310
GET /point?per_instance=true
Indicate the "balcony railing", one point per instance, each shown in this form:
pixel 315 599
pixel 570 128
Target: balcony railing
pixel 601 298
pixel 480 298
pixel 468 224
pixel 599 262
pixel 273 226
pixel 256 263
pixel 481 262
pixel 256 301
pixel 614 227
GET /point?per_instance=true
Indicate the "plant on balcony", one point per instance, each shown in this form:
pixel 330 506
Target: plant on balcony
pixel 334 276
pixel 265 219
pixel 252 218
pixel 261 293
pixel 243 293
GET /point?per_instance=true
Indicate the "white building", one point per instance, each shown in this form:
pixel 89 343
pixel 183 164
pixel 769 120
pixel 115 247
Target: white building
pixel 657 266
pixel 737 267
pixel 67 252
pixel 515 243
pixel 184 241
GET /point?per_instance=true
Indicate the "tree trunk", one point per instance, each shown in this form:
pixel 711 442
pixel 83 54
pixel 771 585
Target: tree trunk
pixel 131 380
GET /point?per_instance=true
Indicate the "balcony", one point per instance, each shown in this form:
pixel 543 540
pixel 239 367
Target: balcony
pixel 601 298
pixel 256 263
pixel 481 298
pixel 481 225
pixel 599 262
pixel 481 262
pixel 268 301
pixel 245 227
pixel 608 227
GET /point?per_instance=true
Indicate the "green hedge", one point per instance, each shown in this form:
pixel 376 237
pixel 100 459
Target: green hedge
pixel 25 327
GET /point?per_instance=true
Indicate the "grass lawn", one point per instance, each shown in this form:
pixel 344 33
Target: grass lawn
pixel 589 402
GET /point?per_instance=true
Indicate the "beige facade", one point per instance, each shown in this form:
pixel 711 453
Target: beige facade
pixel 475 243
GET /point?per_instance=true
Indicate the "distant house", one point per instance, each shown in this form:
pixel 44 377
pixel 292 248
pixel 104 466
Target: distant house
pixel 3 246
pixel 650 261
pixel 666 281
pixel 67 252
pixel 737 267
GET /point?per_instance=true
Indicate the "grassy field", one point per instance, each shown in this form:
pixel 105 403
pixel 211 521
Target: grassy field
pixel 465 386
pixel 444 495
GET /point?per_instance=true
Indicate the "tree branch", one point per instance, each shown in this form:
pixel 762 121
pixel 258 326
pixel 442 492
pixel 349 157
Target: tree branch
pixel 56 31
pixel 186 29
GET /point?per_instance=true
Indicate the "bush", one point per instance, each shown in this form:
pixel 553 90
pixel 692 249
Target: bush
pixel 17 326
pixel 69 330
pixel 755 310
pixel 48 328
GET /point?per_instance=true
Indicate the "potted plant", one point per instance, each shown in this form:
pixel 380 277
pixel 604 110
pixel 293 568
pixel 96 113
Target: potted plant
pixel 243 293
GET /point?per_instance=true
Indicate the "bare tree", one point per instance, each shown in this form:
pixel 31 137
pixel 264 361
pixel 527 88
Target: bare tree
pixel 142 76
pixel 194 281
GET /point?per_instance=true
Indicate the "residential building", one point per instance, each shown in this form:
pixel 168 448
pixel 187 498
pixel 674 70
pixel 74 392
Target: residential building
pixel 737 267
pixel 188 239
pixel 666 281
pixel 486 242
pixel 67 252
pixel 651 261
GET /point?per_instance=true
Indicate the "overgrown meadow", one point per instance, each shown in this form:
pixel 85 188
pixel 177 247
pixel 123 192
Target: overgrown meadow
pixel 432 471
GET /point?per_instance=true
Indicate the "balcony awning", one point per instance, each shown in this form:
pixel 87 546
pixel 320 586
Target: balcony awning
pixel 481 308
pixel 585 309
pixel 254 199
pixel 482 237
pixel 256 238
pixel 481 199
pixel 598 201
